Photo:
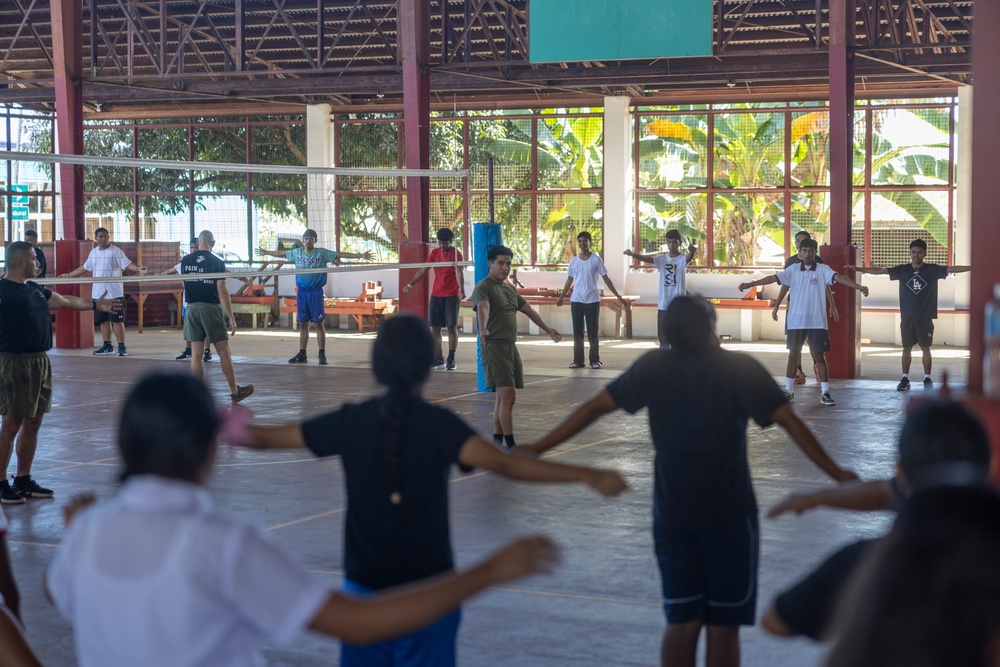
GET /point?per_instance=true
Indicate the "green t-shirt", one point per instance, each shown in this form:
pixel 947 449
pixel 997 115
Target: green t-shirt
pixel 504 303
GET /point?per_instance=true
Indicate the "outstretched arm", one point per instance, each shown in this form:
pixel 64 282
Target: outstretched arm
pixel 416 279
pixel 864 496
pixel 844 280
pixel 135 268
pixel 642 258
pixel 271 253
pixel 407 608
pixel 477 453
pixel 959 269
pixel 366 255
pixel 785 417
pixel 582 417
pixel 877 270
pixel 537 319
pixel 68 302
pixel 766 280
pixel 75 273
pixel 287 436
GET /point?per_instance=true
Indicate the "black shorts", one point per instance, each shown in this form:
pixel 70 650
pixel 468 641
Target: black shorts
pixel 100 316
pixel 442 311
pixel 709 573
pixel 819 340
pixel 917 332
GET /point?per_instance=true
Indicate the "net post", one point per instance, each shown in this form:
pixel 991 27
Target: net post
pixel 484 236
pixel 74 328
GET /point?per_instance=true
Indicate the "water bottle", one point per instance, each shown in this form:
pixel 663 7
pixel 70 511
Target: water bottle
pixel 991 345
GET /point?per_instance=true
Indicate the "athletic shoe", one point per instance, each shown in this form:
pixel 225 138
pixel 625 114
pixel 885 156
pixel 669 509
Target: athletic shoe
pixel 450 366
pixel 322 359
pixel 207 356
pixel 298 359
pixel 241 393
pixel 184 356
pixel 903 385
pixel 105 349
pixel 577 364
pixel 122 352
pixel 789 396
pixel 9 495
pixel 928 383
pixel 438 363
pixel 827 399
pixel 596 365
pixel 800 377
pixel 29 488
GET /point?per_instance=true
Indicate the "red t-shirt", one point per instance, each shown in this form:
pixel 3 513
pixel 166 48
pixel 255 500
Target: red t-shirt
pixel 445 281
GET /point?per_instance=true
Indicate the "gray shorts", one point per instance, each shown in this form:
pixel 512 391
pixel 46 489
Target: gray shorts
pixel 25 385
pixel 205 320
pixel 502 365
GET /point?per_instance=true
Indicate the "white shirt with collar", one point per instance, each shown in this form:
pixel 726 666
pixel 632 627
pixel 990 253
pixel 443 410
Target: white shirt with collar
pixel 156 576
pixel 105 264
pixel 807 298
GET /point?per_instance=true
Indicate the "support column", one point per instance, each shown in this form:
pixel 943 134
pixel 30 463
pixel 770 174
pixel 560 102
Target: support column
pixel 985 231
pixel 414 49
pixel 319 188
pixel 67 62
pixel 844 359
pixel 618 212
pixel 963 197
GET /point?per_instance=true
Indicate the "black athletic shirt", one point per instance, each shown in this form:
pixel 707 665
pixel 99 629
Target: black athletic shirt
pixel 385 544
pixel 699 405
pixel 795 259
pixel 201 291
pixel 41 263
pixel 918 290
pixel 25 322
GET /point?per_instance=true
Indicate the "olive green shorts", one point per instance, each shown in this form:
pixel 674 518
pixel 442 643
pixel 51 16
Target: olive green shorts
pixel 502 365
pixel 25 385
pixel 205 320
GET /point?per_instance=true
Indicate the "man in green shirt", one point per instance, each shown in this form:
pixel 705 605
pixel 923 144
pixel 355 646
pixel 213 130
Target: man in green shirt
pixel 496 304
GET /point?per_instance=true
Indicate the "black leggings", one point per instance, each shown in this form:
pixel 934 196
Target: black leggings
pixel 588 312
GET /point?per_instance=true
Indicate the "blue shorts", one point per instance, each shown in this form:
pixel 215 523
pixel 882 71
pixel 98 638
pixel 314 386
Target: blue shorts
pixel 709 573
pixel 310 305
pixel 434 646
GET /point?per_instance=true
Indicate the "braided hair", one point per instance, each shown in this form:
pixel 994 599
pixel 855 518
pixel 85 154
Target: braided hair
pixel 401 360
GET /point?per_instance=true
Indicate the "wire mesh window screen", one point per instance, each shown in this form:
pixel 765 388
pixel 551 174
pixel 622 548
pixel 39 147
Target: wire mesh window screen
pixel 570 152
pixel 810 148
pixel 673 151
pixel 749 229
pixel 749 150
pixel 513 212
pixel 685 212
pixel 561 218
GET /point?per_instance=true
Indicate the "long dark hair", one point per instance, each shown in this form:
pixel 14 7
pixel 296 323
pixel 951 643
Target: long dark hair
pixel 401 360
pixel 167 427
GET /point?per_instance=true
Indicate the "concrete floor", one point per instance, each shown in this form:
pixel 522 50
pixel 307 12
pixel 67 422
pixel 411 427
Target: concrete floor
pixel 601 607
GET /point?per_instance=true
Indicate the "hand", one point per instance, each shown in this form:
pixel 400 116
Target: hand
pixel 864 290
pixel 366 255
pixel 555 335
pixel 106 305
pixel 608 483
pixel 793 502
pixel 232 325
pixel 559 301
pixel 692 249
pixel 629 253
pixel 66 275
pixel 141 270
pixel 530 555
pixel 845 476
pixel 262 252
pixel 461 295
pixel 834 313
pixel 406 288
pixel 774 314
pixel 77 503
pixel 484 336
pixel 850 267
pixel 745 286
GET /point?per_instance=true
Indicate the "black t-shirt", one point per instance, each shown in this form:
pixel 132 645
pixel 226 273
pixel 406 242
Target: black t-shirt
pixel 795 259
pixel 25 322
pixel 808 607
pixel 201 291
pixel 385 544
pixel 918 289
pixel 699 405
pixel 41 262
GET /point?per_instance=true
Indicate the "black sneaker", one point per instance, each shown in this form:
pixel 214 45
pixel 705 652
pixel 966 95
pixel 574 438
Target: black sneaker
pixel 122 352
pixel 928 383
pixel 241 393
pixel 322 359
pixel 207 356
pixel 826 399
pixel 184 356
pixel 29 488
pixel 904 385
pixel 9 495
pixel 450 365
pixel 105 349
pixel 298 359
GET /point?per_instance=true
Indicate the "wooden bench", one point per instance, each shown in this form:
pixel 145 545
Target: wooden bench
pixel 368 309
pixel 253 310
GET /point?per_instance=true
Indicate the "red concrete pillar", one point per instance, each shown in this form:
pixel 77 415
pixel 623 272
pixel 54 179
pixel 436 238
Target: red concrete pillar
pixel 414 47
pixel 74 329
pixel 844 358
pixel 986 136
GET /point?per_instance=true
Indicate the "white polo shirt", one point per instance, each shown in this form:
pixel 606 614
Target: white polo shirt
pixel 157 577
pixel 807 300
pixel 104 264
pixel 585 273
pixel 673 278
